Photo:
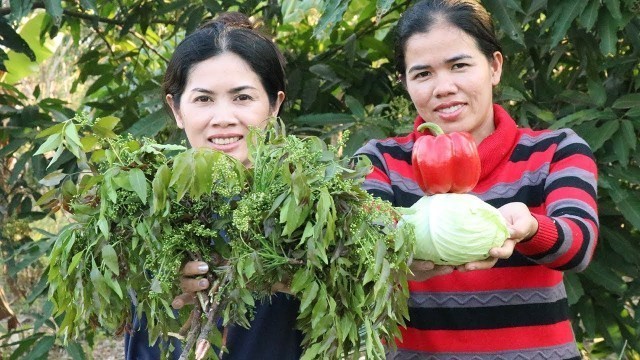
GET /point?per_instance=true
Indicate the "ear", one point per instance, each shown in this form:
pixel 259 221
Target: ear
pixel 175 111
pixel 496 68
pixel 279 101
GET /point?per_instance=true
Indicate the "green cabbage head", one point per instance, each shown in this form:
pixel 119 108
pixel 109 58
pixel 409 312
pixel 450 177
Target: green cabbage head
pixel 454 229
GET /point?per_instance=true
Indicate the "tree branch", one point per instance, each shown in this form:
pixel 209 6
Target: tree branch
pixel 80 15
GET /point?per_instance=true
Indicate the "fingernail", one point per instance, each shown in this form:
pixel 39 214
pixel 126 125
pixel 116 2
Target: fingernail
pixel 203 283
pixel 203 268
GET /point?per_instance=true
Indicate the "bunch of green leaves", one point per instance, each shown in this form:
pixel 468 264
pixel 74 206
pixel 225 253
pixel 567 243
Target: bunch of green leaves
pixel 138 210
pixel 306 221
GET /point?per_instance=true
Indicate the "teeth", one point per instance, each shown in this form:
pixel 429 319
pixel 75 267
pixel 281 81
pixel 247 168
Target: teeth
pixel 450 109
pixel 224 141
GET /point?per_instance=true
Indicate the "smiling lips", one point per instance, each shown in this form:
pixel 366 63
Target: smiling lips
pixel 449 111
pixel 220 141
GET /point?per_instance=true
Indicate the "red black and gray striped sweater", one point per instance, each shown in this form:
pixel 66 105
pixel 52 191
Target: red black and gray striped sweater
pixel 517 309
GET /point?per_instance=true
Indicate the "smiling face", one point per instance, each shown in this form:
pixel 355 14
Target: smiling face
pixel 223 97
pixel 450 81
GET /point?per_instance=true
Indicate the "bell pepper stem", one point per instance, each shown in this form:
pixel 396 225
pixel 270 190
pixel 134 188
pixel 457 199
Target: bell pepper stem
pixel 432 127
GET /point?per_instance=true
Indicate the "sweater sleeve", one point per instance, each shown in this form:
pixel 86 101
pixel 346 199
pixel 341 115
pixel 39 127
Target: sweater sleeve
pixel 568 230
pixel 377 182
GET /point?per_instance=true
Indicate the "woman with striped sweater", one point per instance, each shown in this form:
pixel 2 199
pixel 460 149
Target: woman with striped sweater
pixel 512 305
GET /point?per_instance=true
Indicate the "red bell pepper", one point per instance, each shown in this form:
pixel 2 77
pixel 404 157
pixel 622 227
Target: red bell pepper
pixel 445 163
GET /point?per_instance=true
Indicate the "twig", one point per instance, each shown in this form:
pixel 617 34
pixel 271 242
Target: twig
pixel 191 337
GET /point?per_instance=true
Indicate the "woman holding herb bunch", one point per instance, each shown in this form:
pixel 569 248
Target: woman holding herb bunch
pixel 514 303
pixel 223 79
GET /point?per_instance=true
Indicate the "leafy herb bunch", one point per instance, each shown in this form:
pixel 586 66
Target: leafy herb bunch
pixel 306 221
pixel 139 210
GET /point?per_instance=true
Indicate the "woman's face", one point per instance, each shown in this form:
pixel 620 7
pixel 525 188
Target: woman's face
pixel 450 81
pixel 222 98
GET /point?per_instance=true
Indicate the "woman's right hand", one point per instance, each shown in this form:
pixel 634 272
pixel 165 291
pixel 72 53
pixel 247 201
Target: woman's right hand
pixel 190 284
pixel 422 270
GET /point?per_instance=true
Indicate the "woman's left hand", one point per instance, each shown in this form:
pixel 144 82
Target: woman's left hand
pixel 522 226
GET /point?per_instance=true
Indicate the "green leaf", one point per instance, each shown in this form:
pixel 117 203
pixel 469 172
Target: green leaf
pixel 139 183
pixel 113 285
pixel 587 316
pixel 110 258
pixel 182 174
pixel 355 106
pixel 53 178
pixel 300 280
pixel 627 101
pixel 309 296
pixel 614 8
pixel 203 181
pixel 570 9
pixel 620 244
pixel 51 143
pixel 50 130
pixel 71 135
pixel 150 125
pixel 605 277
pixel 607 28
pixel 573 287
pixel 10 38
pixel 590 15
pixel 597 92
pixel 382 7
pixel 42 347
pixel 74 349
pixel 54 9
pixel 103 225
pixel 159 187
pixel 74 262
pixel 331 15
pixel 506 20
pixel 104 126
pixel 628 133
pixel 597 136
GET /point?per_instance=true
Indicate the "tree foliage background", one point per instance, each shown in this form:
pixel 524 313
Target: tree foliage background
pixel 568 64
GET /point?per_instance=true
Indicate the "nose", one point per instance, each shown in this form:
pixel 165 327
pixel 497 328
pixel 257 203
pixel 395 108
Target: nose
pixel 222 115
pixel 444 85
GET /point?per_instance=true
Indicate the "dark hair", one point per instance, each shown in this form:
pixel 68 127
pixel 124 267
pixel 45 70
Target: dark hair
pixel 467 15
pixel 229 32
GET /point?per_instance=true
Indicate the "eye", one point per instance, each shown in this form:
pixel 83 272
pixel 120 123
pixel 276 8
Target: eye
pixel 459 66
pixel 243 97
pixel 422 74
pixel 203 98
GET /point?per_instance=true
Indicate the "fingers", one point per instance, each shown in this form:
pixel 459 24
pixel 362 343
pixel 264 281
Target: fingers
pixel 193 268
pixel 182 300
pixel 505 251
pixel 189 285
pixel 421 265
pixel 422 270
pixel 280 287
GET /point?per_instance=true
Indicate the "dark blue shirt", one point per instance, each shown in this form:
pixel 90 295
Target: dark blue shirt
pixel 272 335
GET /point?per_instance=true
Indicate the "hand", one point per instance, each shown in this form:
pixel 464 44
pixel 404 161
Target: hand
pixel 522 226
pixel 422 270
pixel 189 284
pixel 281 287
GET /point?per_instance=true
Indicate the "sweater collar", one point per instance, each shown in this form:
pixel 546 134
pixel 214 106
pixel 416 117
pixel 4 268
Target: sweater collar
pixel 496 147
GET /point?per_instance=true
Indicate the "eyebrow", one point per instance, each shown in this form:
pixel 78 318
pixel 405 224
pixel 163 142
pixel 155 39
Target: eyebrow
pixel 450 60
pixel 232 91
